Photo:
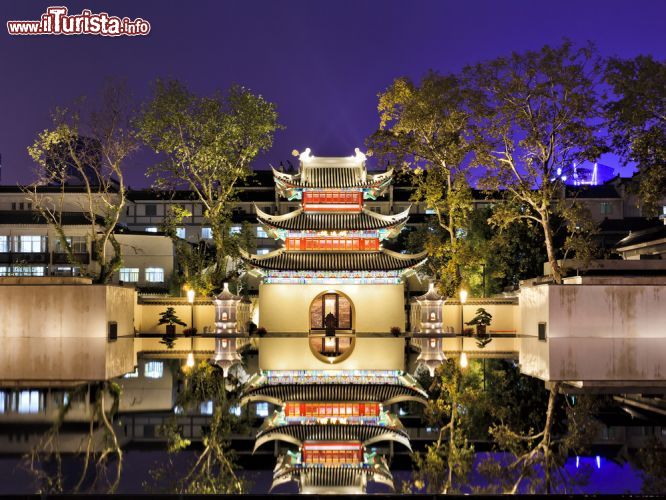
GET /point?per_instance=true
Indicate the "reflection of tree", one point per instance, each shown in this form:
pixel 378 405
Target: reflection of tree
pixel 101 444
pixel 214 470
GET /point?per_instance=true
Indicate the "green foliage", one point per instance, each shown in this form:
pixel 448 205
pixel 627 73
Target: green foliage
pixel 651 460
pixel 636 119
pixel 482 317
pixel 426 131
pixel 169 317
pixel 208 144
pixel 456 400
pixel 88 146
pixel 539 115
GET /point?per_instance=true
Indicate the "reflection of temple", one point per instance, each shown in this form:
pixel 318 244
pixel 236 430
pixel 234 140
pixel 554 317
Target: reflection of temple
pixel 332 281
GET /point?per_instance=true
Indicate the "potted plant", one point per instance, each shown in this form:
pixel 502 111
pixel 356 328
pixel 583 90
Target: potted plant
pixel 189 331
pixel 170 319
pixel 395 331
pixel 482 320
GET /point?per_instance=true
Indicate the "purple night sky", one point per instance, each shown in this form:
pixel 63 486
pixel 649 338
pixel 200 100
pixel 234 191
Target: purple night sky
pixel 321 62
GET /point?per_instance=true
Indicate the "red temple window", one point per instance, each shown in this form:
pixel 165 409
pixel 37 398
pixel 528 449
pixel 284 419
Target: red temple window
pixel 332 244
pixel 352 198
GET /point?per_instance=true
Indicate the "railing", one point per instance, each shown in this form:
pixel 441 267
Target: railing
pixel 63 258
pixel 24 257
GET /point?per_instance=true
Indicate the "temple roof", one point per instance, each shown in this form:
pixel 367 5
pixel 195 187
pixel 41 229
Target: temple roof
pixel 332 173
pixel 332 221
pixel 380 386
pixel 382 260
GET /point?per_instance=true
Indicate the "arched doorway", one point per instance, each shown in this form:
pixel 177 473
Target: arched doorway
pixel 332 326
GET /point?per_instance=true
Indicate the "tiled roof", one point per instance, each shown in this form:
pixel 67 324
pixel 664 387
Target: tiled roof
pixel 602 191
pixel 645 236
pixel 333 221
pixel 332 177
pixel 383 260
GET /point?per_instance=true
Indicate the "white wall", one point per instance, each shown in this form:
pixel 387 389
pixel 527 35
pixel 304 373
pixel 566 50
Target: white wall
pixel 59 332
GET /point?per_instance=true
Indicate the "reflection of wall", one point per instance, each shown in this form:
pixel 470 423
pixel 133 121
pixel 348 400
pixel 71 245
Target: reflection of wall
pixel 383 353
pixel 285 308
pixel 59 332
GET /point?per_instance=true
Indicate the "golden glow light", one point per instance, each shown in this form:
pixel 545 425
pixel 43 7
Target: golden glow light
pixel 190 360
pixel 190 296
pixel 463 360
pixel 463 296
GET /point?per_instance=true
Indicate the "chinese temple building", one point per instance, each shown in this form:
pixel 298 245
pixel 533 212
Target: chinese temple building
pixel 328 300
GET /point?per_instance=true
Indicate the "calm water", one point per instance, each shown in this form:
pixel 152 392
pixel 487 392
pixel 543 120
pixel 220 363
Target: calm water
pixel 605 476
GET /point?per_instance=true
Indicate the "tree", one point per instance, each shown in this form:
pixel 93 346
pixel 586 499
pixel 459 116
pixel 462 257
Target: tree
pixel 456 399
pixel 539 112
pixel 100 444
pixel 538 429
pixel 426 129
pixel 85 151
pixel 208 144
pixel 636 120
pixel 214 470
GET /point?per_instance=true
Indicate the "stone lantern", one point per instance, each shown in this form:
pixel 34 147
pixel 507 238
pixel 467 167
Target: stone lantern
pixel 226 330
pixel 432 353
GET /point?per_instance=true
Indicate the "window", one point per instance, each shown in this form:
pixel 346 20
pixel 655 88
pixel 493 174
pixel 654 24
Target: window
pixel 263 251
pixel 78 244
pixel 262 409
pixel 2 402
pixel 180 232
pixel 153 369
pixel 430 211
pixel 151 210
pixel 154 274
pixel 129 274
pixel 542 331
pixel 235 410
pixel 331 303
pixel 4 244
pixel 235 230
pixel 606 208
pixel 13 206
pixel 261 233
pixel 30 402
pixel 206 233
pixel 21 206
pixel 151 229
pixel 206 408
pixel 66 271
pixel 22 271
pixel 30 244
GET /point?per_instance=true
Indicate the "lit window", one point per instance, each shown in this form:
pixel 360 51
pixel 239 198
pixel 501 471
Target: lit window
pixel 134 374
pixel 23 271
pixel 235 230
pixel 206 233
pixel 206 408
pixel 261 233
pixel 129 274
pixel 606 208
pixel 151 229
pixel 180 232
pixel 262 409
pixel 2 402
pixel 29 402
pixel 430 211
pixel 153 369
pixel 235 410
pixel 5 271
pixel 30 244
pixel 263 251
pixel 154 275
pixel 151 210
pixel 4 244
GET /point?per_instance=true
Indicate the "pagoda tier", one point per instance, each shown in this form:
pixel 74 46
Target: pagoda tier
pixel 365 220
pixel 381 260
pixel 298 430
pixel 384 386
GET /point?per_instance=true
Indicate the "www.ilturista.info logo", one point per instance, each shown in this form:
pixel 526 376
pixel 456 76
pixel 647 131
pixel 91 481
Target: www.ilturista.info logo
pixel 56 21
